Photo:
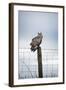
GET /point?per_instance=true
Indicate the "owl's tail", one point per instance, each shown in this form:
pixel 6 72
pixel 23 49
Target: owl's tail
pixel 33 49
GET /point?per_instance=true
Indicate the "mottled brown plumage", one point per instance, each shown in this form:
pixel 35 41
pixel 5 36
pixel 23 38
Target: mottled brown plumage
pixel 36 42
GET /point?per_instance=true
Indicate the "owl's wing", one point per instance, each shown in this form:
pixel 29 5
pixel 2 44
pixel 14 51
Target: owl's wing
pixel 35 39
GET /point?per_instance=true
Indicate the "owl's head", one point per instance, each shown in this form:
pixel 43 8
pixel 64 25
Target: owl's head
pixel 40 34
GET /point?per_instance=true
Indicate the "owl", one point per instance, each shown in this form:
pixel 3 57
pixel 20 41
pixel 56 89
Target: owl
pixel 36 41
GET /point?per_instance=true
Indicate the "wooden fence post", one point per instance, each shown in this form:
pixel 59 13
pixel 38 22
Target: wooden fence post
pixel 39 56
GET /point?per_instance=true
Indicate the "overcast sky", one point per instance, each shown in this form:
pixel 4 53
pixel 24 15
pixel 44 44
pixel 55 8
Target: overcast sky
pixel 30 23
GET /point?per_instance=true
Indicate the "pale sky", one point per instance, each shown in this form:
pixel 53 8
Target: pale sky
pixel 30 23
